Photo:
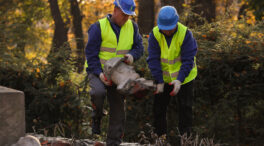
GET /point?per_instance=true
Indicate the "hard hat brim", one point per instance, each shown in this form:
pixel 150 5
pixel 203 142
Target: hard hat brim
pixel 163 27
pixel 131 13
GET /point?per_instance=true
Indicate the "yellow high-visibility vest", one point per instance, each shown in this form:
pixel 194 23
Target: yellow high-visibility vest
pixel 170 57
pixel 110 48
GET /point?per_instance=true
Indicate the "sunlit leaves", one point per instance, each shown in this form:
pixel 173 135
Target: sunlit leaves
pixel 93 10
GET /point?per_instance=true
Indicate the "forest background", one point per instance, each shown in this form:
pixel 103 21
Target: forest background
pixel 42 54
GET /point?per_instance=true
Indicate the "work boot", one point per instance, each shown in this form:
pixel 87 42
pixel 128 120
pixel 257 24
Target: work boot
pixel 96 124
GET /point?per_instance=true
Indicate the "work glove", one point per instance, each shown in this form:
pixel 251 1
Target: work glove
pixel 160 88
pixel 106 81
pixel 128 59
pixel 177 87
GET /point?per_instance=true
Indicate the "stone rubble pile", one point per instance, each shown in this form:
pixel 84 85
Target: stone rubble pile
pixel 41 140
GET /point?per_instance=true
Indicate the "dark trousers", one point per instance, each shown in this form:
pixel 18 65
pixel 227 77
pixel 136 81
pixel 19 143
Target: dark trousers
pixel 161 102
pixel 98 93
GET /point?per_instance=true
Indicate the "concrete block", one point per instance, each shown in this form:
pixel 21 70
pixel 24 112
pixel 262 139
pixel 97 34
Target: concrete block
pixel 12 116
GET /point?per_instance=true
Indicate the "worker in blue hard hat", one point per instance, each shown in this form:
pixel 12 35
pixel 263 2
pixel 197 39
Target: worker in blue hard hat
pixel 172 50
pixel 112 36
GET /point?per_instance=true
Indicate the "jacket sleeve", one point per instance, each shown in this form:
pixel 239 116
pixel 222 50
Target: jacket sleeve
pixel 137 48
pixel 153 59
pixel 92 49
pixel 188 51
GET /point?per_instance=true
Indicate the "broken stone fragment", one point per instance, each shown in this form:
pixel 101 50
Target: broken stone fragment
pixel 28 140
pixel 125 77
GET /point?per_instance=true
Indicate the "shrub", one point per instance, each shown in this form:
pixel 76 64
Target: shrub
pixel 54 103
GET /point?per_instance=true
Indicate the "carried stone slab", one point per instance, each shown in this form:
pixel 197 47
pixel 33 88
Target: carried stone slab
pixel 127 80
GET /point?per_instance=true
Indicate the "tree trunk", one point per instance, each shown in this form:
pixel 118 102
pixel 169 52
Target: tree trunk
pixel 78 32
pixel 60 51
pixel 231 7
pixel 60 38
pixel 146 18
pixel 176 3
pixel 205 8
pixel 238 118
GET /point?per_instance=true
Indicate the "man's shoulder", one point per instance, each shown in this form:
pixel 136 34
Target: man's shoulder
pixel 189 33
pixel 94 27
pixel 96 24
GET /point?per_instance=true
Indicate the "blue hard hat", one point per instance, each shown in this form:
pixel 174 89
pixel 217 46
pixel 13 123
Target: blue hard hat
pixel 127 6
pixel 168 18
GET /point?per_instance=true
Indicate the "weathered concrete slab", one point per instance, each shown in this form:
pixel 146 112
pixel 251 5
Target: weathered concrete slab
pixel 12 116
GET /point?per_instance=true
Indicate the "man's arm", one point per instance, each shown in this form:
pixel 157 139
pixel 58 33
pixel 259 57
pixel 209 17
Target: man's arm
pixel 153 59
pixel 137 48
pixel 188 51
pixel 93 48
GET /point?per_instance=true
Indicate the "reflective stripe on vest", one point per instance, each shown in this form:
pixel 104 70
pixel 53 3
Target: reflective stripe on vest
pixel 113 50
pixel 170 61
pixel 170 56
pixel 109 46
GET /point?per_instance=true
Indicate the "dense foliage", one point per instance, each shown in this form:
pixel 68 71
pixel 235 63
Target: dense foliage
pixel 52 100
pixel 229 90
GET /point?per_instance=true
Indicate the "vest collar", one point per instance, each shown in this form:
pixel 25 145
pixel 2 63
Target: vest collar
pixel 109 18
pixel 111 22
pixel 172 34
